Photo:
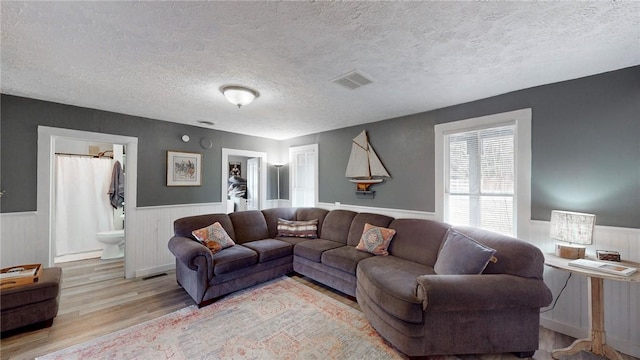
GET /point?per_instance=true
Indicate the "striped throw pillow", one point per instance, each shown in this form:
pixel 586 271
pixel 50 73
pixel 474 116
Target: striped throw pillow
pixel 301 229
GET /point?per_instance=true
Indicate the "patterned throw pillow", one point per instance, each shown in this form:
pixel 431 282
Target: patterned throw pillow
pixel 301 229
pixel 461 254
pixel 214 237
pixel 375 239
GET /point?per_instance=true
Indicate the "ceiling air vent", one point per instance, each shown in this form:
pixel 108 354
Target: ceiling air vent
pixel 352 80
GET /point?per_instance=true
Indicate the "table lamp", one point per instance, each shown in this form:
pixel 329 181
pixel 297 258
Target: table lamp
pixel 574 228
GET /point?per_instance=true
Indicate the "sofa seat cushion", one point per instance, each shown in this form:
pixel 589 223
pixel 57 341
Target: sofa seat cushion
pixel 345 258
pixel 234 258
pixel 391 283
pixel 270 249
pixel 291 240
pixel 313 249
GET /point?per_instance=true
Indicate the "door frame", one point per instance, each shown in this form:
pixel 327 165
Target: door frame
pixel 311 148
pixel 47 137
pixel 262 201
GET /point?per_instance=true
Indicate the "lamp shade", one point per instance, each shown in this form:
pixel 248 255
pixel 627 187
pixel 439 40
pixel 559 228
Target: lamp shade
pixel 572 227
pixel 239 95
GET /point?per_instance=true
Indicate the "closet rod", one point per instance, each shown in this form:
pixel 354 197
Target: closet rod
pixel 89 155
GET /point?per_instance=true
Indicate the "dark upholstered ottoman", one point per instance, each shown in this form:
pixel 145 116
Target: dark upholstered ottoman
pixel 33 304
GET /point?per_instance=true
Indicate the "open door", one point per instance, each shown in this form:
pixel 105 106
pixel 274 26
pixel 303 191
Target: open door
pixel 253 184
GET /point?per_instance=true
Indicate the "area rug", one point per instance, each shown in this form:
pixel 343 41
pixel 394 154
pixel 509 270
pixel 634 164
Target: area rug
pixel 280 319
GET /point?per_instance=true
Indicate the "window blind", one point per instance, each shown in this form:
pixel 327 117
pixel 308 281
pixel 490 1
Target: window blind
pixel 480 178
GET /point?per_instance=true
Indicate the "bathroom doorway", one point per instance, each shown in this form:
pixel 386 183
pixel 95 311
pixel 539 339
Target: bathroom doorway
pixel 88 208
pixel 47 139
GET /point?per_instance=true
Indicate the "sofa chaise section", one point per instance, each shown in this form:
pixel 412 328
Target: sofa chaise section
pixel 423 313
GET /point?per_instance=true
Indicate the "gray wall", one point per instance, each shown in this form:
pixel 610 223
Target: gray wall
pixel 585 150
pixel 19 143
pixel 405 147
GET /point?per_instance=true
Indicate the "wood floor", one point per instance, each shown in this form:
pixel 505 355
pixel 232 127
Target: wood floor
pixel 96 300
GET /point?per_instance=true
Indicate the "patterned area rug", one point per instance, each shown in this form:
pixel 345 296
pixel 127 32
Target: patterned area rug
pixel 280 319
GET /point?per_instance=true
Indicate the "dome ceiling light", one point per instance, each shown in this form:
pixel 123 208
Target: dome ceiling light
pixel 239 95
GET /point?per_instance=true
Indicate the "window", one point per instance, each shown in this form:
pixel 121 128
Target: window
pixel 304 175
pixel 479 188
pixel 483 172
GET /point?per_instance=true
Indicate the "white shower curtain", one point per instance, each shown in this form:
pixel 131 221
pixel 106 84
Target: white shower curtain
pixel 82 206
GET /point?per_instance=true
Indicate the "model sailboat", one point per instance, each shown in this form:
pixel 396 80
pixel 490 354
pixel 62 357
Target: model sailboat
pixel 364 167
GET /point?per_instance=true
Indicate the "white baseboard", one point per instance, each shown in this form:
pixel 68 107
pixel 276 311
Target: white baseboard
pixel 621 345
pixel 76 257
pixel 563 328
pixel 154 270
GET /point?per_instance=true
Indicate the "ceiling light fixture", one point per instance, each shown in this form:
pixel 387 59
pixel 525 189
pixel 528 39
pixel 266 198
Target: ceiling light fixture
pixel 239 95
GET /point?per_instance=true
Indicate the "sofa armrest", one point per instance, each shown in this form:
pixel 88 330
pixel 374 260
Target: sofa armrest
pixel 192 253
pixel 480 292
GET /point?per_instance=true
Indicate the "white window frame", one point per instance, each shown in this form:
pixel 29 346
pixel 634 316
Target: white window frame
pixel 522 199
pixel 313 148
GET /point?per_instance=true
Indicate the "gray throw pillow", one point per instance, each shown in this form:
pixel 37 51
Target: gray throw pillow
pixel 462 255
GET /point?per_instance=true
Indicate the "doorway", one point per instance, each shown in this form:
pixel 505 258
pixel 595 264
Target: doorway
pixel 83 208
pixel 255 178
pixel 303 175
pixel 47 139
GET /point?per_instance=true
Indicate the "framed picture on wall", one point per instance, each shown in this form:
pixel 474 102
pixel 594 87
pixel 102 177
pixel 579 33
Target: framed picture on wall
pixel 235 168
pixel 184 168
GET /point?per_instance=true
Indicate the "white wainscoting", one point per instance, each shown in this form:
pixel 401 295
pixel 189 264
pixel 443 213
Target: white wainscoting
pixel 146 244
pixel 622 299
pixel 18 243
pixel 154 228
pixel 395 213
pixel 272 203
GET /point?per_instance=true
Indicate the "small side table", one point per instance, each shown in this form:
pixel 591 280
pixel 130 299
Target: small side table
pixel 596 342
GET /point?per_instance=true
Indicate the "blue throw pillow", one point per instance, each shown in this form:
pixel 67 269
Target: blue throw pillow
pixel 462 255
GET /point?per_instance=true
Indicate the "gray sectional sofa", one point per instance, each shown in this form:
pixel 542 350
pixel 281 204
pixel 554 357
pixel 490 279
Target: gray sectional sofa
pixel 416 309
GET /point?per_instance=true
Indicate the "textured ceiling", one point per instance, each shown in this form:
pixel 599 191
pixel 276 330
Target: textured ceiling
pixel 167 60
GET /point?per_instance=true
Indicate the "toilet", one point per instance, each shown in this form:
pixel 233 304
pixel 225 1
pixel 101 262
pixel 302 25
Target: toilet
pixel 113 244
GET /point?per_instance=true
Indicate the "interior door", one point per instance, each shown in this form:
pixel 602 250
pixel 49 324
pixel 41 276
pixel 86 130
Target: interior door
pixel 253 184
pixel 304 175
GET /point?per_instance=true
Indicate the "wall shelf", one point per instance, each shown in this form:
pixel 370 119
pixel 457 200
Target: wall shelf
pixel 365 194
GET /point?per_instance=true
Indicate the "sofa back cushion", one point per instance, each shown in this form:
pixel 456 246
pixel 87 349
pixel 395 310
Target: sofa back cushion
pixel 336 225
pixel 303 214
pixel 249 226
pixel 271 216
pixel 184 226
pixel 417 240
pixel 357 225
pixel 515 257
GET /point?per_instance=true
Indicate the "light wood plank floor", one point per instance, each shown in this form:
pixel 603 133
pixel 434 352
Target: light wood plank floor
pixel 96 300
